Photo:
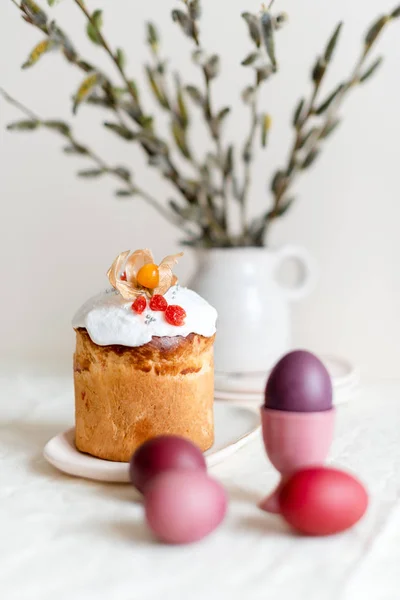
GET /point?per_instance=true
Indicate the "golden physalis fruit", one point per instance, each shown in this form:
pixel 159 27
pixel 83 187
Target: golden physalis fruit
pixel 149 276
pixel 135 274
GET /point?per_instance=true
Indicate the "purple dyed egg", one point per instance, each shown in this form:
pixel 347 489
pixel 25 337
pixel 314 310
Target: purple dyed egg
pixel 299 382
pixel 164 453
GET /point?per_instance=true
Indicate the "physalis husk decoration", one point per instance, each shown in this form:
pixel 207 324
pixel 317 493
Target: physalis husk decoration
pixel 129 272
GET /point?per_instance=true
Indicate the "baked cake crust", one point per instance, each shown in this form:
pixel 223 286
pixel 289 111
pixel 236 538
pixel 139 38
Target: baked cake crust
pixel 124 396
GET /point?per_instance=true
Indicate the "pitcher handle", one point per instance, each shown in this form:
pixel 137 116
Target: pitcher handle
pixel 306 264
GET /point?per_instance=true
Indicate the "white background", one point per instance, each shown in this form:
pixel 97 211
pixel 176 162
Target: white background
pixel 59 234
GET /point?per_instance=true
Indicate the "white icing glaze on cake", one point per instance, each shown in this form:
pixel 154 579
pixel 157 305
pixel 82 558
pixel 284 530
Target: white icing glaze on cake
pixel 110 320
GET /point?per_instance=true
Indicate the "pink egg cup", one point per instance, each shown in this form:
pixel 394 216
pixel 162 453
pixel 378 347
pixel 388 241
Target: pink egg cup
pixel 294 441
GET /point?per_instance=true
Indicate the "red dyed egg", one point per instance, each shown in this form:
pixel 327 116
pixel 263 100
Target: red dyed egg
pixel 322 501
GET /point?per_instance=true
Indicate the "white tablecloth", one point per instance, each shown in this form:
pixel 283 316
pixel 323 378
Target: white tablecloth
pixel 68 539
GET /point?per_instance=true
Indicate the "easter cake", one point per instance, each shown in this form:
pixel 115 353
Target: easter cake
pixel 143 364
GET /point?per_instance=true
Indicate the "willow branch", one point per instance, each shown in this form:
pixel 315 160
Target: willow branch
pixel 209 72
pixel 175 106
pixel 216 136
pixel 212 122
pixel 295 165
pixel 107 48
pixel 117 107
pixel 249 149
pixel 171 108
pixel 174 171
pixel 292 166
pixel 98 161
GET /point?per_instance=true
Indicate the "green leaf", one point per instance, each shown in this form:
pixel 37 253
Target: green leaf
pixel 267 29
pixel 24 125
pixel 120 58
pixel 60 39
pixel 75 149
pixel 248 95
pixel 152 36
pixel 91 173
pixel 250 59
pixel 146 121
pixel 59 126
pixel 326 104
pixel 329 129
pixel 180 138
pixel 96 100
pixel 186 24
pixel 310 158
pixel 212 67
pixel 182 110
pixel 332 43
pixel 97 19
pixel 51 2
pixel 375 30
pixel 195 95
pixel 266 122
pixel 257 232
pixel 34 13
pixel 123 173
pixel 247 153
pixel 42 48
pixel 280 20
pixel 306 137
pixel 371 70
pixel 223 114
pixel 319 71
pixel 220 118
pixel 283 207
pixel 125 193
pixel 396 13
pixel 121 130
pixel 156 88
pixel 196 242
pixel 298 113
pixel 198 57
pixel 85 89
pixel 194 9
pixel 133 88
pixel 94 26
pixel 228 163
pixel 92 34
pixel 278 181
pixel 253 23
pixel 263 73
pixel 161 67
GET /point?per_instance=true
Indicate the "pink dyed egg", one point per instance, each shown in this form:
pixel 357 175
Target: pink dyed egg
pixel 184 506
pixel 322 501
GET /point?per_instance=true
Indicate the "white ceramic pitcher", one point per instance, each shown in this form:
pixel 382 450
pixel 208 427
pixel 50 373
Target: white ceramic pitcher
pixel 254 328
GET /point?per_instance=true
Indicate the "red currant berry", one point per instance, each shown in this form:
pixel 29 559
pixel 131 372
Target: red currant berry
pixel 175 315
pixel 158 303
pixel 123 276
pixel 139 305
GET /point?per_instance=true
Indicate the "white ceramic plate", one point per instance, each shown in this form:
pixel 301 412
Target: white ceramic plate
pixel 234 427
pixel 341 395
pixel 343 374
